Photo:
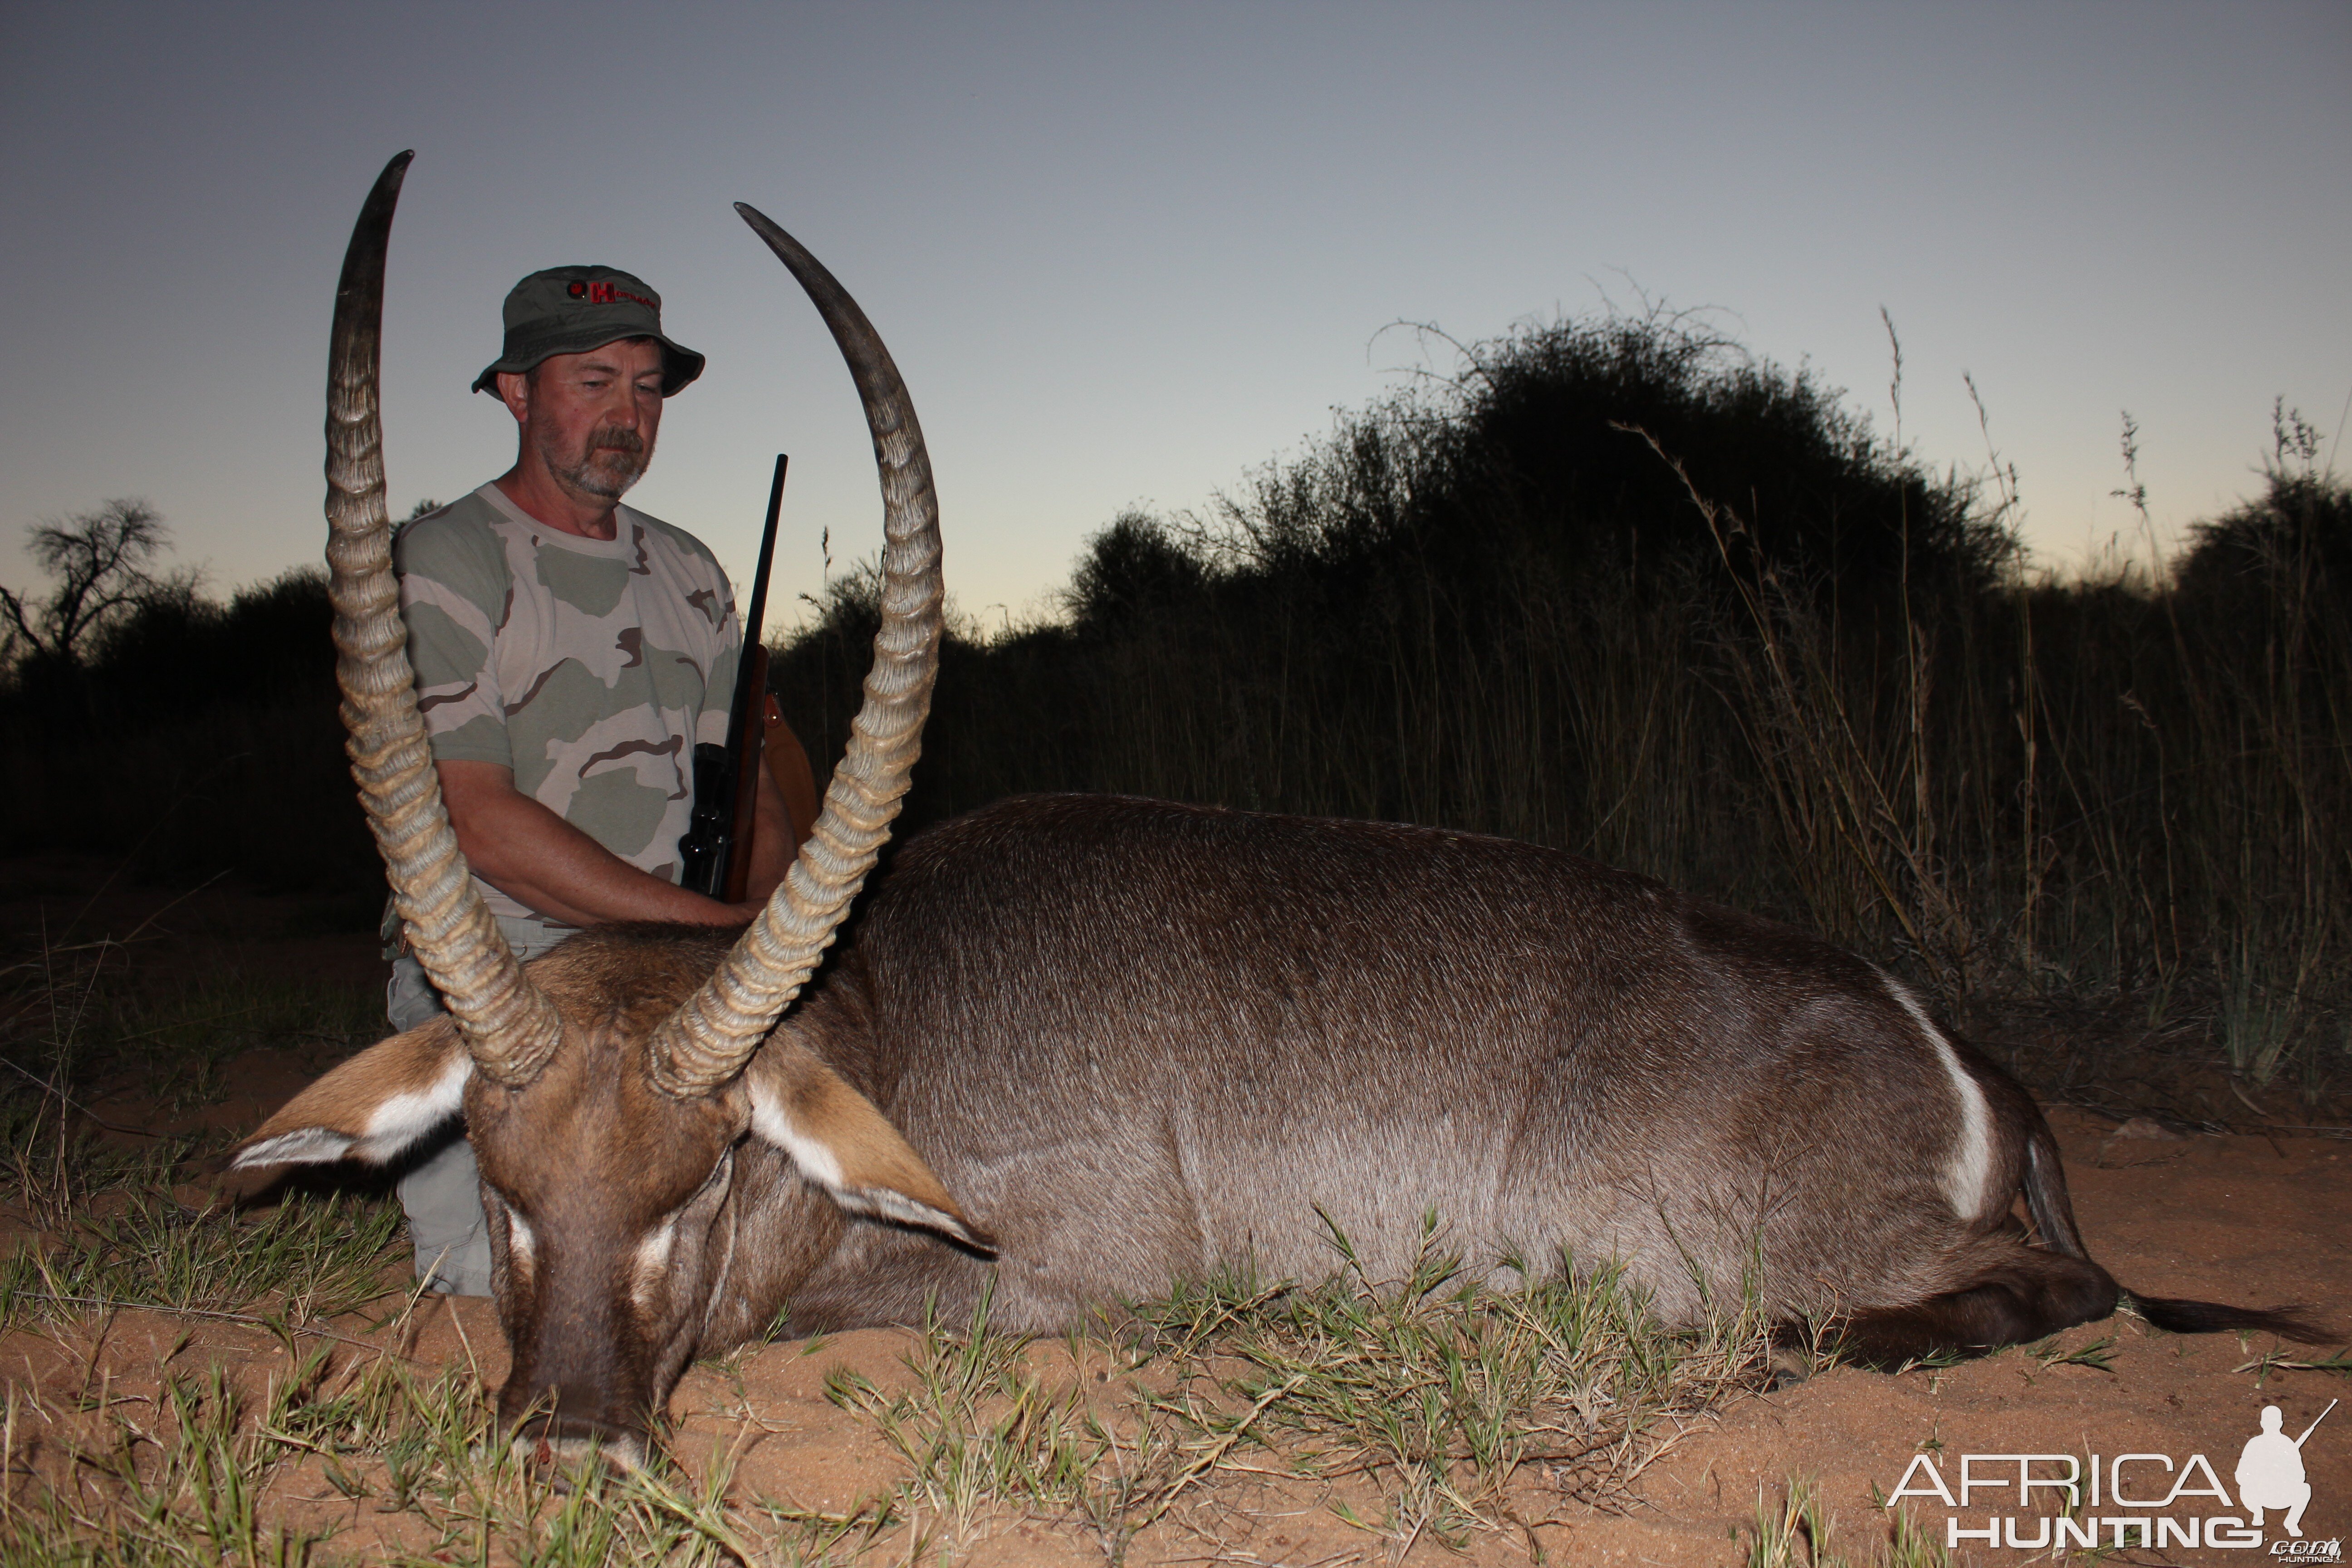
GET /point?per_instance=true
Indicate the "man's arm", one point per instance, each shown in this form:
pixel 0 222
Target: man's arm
pixel 531 854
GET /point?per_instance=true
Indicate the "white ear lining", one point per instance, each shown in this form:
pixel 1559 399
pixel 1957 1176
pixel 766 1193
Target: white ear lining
pixel 769 1121
pixel 820 1164
pixel 396 1123
pixel 884 1202
pixel 306 1146
pixel 404 1117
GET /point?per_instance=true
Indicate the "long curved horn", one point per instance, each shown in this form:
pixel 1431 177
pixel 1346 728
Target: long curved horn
pixel 710 1038
pixel 508 1026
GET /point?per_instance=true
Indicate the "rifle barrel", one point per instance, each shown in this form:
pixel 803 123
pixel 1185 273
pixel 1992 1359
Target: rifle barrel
pixel 755 620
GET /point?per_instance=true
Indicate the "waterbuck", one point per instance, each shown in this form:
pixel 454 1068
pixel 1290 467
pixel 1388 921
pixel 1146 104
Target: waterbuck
pixel 1089 1046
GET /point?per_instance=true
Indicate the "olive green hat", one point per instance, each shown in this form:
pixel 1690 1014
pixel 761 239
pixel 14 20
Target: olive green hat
pixel 570 310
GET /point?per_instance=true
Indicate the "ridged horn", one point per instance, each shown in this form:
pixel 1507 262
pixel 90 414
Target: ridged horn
pixel 508 1026
pixel 710 1038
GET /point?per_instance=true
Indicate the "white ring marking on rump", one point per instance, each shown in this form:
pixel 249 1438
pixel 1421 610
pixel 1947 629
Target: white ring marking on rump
pixel 1970 1167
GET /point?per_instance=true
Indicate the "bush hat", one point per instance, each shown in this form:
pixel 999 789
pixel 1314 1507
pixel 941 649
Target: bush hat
pixel 570 310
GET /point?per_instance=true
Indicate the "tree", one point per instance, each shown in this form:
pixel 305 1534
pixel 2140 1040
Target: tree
pixel 100 560
pixel 1132 567
pixel 2292 545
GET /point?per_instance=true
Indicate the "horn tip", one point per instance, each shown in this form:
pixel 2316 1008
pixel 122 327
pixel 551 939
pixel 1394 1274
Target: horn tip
pixel 388 183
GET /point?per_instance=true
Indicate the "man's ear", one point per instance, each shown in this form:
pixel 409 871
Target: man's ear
pixel 844 1145
pixel 372 1107
pixel 514 391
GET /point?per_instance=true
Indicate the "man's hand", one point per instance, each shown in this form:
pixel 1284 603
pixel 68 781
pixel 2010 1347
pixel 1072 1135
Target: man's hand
pixel 541 861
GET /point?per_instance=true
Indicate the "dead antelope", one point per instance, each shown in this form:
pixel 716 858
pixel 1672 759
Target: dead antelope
pixel 1092 1046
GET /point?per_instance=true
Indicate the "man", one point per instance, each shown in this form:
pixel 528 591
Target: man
pixel 570 653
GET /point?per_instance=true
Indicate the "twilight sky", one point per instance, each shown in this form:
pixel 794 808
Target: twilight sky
pixel 1124 253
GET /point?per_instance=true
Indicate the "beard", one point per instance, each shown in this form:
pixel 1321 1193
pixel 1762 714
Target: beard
pixel 613 460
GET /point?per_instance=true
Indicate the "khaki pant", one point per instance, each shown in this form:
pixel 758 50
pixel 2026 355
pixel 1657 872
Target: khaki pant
pixel 442 1193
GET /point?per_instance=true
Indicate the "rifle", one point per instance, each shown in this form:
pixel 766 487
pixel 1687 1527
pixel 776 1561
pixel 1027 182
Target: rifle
pixel 715 854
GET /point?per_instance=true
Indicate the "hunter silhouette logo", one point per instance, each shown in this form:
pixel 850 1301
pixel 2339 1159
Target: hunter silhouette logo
pixel 2270 1471
pixel 2158 1490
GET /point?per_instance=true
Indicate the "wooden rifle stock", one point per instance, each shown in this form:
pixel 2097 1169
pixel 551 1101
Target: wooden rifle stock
pixel 715 855
pixel 748 760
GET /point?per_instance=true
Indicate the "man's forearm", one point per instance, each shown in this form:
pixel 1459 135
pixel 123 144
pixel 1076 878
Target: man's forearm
pixel 533 856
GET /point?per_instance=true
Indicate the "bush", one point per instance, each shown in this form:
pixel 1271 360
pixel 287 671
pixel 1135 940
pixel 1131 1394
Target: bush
pixel 199 738
pixel 1840 699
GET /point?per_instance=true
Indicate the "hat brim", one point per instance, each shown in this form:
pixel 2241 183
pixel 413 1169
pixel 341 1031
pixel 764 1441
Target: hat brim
pixel 680 364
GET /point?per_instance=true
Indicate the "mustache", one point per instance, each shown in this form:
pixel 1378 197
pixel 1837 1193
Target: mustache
pixel 600 475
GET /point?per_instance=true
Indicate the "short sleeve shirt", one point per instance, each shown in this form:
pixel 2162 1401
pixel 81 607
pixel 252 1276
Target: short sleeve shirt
pixel 589 667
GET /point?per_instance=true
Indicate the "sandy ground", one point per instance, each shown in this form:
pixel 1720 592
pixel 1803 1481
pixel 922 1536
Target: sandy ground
pixel 2256 1217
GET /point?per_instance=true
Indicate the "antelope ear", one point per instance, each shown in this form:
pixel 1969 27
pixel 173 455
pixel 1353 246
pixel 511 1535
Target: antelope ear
pixel 372 1107
pixel 844 1145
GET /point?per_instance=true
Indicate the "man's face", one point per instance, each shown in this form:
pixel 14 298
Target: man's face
pixel 591 417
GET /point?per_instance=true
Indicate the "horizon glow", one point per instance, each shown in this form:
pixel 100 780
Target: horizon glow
pixel 1126 257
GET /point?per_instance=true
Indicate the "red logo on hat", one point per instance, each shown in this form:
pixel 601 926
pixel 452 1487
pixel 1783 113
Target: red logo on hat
pixel 601 292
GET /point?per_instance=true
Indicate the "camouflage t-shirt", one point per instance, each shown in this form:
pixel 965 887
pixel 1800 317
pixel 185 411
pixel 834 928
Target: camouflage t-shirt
pixel 589 667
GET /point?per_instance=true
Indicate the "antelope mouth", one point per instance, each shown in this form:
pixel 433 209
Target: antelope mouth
pixel 566 1450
